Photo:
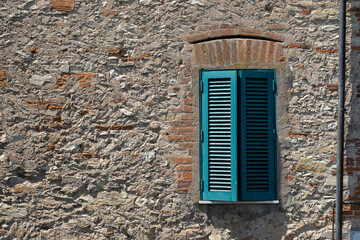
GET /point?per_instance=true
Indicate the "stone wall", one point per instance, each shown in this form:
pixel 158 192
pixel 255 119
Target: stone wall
pixel 99 116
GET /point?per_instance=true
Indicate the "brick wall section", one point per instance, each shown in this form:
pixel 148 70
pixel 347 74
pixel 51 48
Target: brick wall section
pixel 181 133
pixel 352 168
pixel 227 52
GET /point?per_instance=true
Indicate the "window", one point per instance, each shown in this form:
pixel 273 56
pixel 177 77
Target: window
pixel 238 135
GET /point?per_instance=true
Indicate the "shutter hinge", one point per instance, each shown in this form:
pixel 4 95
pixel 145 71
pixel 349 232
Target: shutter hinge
pixel 274 86
pixel 201 86
pixel 202 136
pixel 274 134
pixel 201 185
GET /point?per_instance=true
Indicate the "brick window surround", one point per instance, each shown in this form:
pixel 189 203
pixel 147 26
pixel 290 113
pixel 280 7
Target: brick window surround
pixel 212 47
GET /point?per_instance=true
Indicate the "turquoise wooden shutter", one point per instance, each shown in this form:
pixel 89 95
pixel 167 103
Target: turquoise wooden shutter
pixel 219 135
pixel 258 135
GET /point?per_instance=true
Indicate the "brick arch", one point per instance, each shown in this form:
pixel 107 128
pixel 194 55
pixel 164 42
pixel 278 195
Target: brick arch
pixel 212 32
pixel 229 45
pixel 227 52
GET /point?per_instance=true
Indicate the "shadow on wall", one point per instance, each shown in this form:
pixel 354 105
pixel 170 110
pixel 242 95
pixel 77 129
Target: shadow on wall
pixel 245 222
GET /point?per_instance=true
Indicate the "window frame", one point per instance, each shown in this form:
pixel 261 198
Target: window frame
pixel 237 190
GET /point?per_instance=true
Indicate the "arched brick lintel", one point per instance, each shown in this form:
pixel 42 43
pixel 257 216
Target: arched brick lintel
pixel 227 52
pixel 214 32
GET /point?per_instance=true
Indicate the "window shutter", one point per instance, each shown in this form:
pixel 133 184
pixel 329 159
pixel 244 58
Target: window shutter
pixel 258 136
pixel 219 131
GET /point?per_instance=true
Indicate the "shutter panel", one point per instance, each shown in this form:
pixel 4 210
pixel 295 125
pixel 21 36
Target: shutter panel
pixel 219 144
pixel 258 163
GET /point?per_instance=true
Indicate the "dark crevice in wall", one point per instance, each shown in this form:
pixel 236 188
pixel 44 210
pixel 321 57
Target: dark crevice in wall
pixel 235 36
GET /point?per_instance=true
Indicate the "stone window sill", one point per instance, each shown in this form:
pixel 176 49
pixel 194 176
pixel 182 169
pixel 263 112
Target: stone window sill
pixel 204 202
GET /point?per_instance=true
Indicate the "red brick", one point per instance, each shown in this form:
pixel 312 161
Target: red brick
pixel 197 54
pixel 226 51
pixel 355 207
pixel 305 11
pixel 175 110
pixel 181 160
pixel 57 119
pixel 219 53
pixel 245 32
pixel 130 59
pixel 84 84
pixel 183 123
pixel 241 51
pixel 115 51
pixel 107 13
pixel 204 54
pixel 193 38
pixel 182 180
pixel 271 52
pixel 103 127
pixel 184 130
pixel 116 127
pixel 185 175
pixel 221 33
pixel 145 55
pixel 187 116
pixel 233 51
pixel 297 135
pixel 171 130
pixel 188 101
pixel 289 178
pixel 188 138
pixel 298 45
pixel 188 108
pixel 183 184
pixel 186 144
pixel 348 213
pixel 263 49
pixel 353 9
pixel 128 127
pixel 62 5
pixel 212 53
pixel 256 51
pixel 84 112
pixel 34 50
pixel 174 138
pixel 182 190
pixel 327 50
pixel 184 168
pixel 248 49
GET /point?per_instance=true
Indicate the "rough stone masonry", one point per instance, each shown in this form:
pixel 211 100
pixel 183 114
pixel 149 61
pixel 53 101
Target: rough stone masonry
pixel 99 116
